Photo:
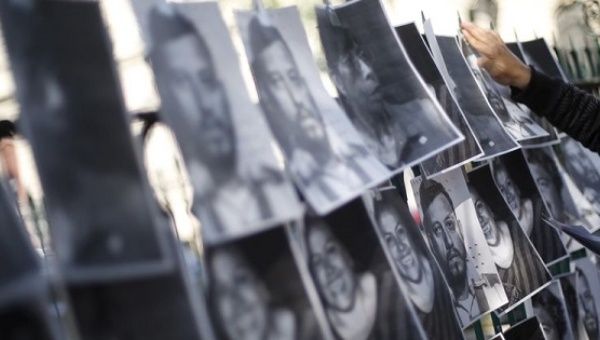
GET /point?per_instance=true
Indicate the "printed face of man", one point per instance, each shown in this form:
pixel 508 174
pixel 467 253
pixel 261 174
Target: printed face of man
pixel 586 299
pixel 240 301
pixel 508 190
pixel 200 96
pixel 548 324
pixel 548 189
pixel 446 240
pixel 360 82
pixel 401 247
pixel 332 269
pixel 286 90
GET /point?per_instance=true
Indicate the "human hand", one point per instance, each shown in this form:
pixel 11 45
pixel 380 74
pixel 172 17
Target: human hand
pixel 496 58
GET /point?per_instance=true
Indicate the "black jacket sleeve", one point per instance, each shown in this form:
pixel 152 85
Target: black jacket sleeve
pixel 570 109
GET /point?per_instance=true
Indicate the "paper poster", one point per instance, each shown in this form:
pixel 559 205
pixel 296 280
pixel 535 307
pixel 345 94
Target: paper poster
pixel 487 127
pixel 450 225
pixel 552 138
pixel 357 287
pixel 547 176
pixel 518 188
pixel 102 217
pixel 413 264
pixel 519 265
pixel 588 296
pixel 239 185
pixel 516 118
pixel 255 290
pixel 469 149
pixel 325 155
pixel 384 96
pixel 550 308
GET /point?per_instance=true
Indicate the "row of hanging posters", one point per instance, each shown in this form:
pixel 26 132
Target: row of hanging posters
pixel 304 235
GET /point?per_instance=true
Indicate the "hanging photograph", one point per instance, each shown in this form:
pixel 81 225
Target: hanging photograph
pixel 518 188
pixel 101 214
pixel 413 264
pixel 588 296
pixel 519 265
pixel 239 185
pixel 255 291
pixel 385 98
pixel 552 313
pixel 487 127
pixel 538 54
pixel 553 190
pixel 552 138
pixel 467 150
pixel 356 285
pixel 517 121
pixel 324 153
pixel 567 284
pixel 576 161
pixel 450 225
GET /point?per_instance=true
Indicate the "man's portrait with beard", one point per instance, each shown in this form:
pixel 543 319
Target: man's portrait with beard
pixel 233 194
pixel 422 58
pixel 361 297
pixel 578 164
pixel 414 265
pixel 518 189
pixel 327 166
pixel 246 294
pixel 587 289
pixel 475 284
pixel 380 88
pixel 550 309
pixel 520 267
pixel 548 179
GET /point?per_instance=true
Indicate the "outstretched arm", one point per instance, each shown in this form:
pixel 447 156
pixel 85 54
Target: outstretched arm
pixel 568 108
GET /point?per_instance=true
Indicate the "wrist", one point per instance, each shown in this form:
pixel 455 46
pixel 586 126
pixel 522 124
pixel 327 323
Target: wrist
pixel 522 77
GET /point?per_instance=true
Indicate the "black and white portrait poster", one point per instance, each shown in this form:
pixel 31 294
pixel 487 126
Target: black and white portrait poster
pixel 587 287
pixel 578 164
pixel 519 265
pixel 100 208
pixel 516 119
pixel 530 329
pixel 537 53
pixel 467 150
pixel 255 291
pixel 518 188
pixel 450 225
pixel 357 287
pixel 567 284
pixel 552 138
pixel 239 185
pixel 325 154
pixel 382 92
pixel 413 264
pixel 487 127
pixel 549 180
pixel 552 313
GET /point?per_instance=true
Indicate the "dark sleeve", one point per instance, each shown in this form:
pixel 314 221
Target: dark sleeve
pixel 570 109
